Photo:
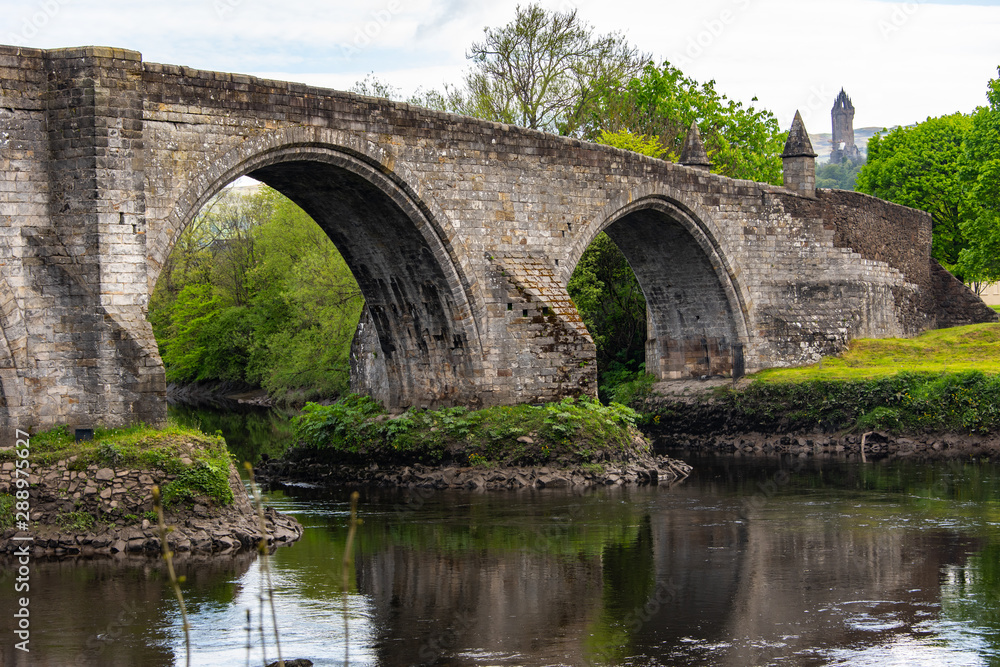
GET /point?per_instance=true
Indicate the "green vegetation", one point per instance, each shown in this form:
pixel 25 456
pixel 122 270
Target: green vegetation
pixel 966 402
pixel 981 173
pixel 970 348
pixel 840 176
pixel 78 521
pixel 201 462
pixel 6 510
pixel 919 166
pixel 357 429
pixel 943 380
pixel 255 292
pixel 950 167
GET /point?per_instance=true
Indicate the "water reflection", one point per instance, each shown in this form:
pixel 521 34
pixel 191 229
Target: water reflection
pixel 249 430
pixel 839 564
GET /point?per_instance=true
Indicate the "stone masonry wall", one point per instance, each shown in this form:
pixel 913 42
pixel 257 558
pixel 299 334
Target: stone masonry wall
pixel 118 156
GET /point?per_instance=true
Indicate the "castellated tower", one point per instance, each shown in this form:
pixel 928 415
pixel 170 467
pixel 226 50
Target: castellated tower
pixel 843 130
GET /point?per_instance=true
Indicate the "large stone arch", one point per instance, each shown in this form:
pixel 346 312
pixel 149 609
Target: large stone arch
pixel 697 308
pixel 420 302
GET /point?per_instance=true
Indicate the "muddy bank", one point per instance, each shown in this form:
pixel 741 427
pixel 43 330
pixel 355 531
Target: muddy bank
pixel 651 470
pixel 100 511
pixel 692 417
pixel 878 445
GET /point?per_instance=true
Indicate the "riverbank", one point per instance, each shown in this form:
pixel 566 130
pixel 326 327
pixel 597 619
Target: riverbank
pixel 576 442
pixel 917 415
pixel 94 497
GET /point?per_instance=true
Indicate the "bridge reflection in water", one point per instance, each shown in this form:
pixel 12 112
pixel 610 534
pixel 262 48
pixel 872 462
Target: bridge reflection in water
pixel 876 564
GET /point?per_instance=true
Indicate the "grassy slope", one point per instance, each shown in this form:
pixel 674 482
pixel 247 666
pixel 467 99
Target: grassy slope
pixel 975 347
pixel 201 462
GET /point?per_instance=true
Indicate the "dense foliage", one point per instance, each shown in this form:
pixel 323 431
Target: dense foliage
pixel 661 103
pixel 962 402
pixel 255 292
pixel 949 167
pixel 918 166
pixel 358 429
pixel 981 173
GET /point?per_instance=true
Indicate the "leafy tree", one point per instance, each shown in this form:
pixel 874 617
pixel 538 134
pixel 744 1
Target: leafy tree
pixel 637 143
pixel 542 69
pixel 919 166
pixel 256 292
pixel 661 102
pixel 980 259
pixel 611 303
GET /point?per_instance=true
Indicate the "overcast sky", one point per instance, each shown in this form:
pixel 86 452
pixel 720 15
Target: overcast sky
pixel 899 61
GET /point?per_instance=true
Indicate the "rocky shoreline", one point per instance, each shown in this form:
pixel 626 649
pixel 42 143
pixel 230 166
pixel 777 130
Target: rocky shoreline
pixel 878 445
pixel 117 505
pixel 647 470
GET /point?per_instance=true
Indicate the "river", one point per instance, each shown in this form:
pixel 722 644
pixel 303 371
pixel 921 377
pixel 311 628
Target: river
pixel 750 561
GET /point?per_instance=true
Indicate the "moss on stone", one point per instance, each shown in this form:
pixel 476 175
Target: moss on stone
pixel 198 462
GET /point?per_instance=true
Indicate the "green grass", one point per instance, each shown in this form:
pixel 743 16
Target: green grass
pixel 996 308
pixel 358 429
pixel 955 350
pixel 6 510
pixel 77 521
pixel 199 461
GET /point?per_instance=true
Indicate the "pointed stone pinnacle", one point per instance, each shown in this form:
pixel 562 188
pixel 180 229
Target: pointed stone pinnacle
pixel 693 154
pixel 798 144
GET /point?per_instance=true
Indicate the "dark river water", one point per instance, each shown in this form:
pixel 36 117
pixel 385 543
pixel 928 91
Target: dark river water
pixel 748 562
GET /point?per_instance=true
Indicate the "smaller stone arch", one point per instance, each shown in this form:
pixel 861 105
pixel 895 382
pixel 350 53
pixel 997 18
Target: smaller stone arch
pixel 697 309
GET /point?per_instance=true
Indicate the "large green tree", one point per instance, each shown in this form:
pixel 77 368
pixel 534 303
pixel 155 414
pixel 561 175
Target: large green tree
pixel 256 292
pixel 542 70
pixel 661 102
pixel 980 259
pixel 919 166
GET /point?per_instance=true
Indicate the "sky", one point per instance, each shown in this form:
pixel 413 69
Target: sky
pixel 899 61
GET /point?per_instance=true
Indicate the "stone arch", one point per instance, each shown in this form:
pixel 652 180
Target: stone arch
pixel 419 299
pixel 697 308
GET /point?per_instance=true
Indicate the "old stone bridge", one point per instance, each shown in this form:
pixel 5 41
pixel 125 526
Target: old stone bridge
pixel 461 233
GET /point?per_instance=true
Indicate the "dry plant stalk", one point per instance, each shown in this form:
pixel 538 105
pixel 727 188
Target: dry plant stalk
pixel 168 556
pixel 264 565
pixel 348 553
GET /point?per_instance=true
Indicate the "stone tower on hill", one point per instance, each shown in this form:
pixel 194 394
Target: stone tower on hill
pixel 843 130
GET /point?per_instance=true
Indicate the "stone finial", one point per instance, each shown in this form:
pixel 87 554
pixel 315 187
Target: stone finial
pixel 693 154
pixel 798 160
pixel 798 144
